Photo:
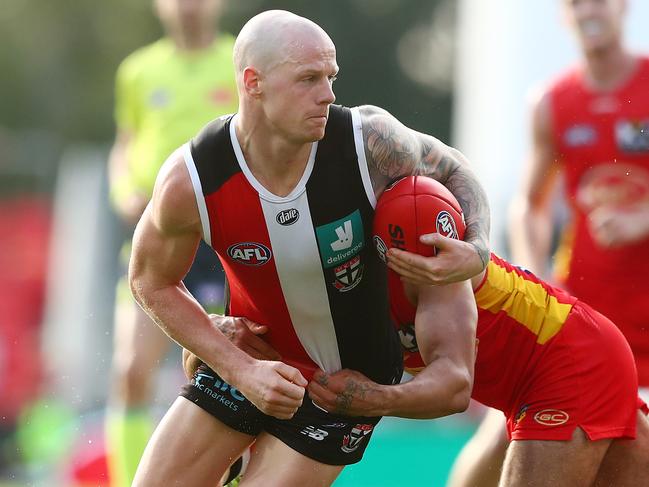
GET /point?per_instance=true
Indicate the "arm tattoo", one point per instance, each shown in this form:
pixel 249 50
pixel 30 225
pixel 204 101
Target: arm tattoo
pixel 468 192
pixel 227 328
pixel 388 153
pixel 393 151
pixel 432 165
pixel 352 390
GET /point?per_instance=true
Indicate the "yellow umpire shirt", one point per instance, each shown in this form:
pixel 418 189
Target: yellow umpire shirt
pixel 163 97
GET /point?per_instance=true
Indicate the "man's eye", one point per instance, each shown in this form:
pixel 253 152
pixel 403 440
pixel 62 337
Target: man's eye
pixel 332 79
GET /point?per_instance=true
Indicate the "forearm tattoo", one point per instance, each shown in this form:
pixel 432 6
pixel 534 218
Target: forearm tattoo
pixel 393 151
pixel 468 192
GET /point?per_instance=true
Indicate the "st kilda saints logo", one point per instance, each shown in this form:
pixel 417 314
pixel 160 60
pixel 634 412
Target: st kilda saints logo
pixel 446 225
pixel 249 253
pixel 348 275
pixel 287 217
pixel 355 437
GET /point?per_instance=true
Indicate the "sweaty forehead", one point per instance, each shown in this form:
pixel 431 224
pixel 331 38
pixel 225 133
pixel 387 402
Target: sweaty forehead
pixel 277 38
pixel 309 53
pixel 303 45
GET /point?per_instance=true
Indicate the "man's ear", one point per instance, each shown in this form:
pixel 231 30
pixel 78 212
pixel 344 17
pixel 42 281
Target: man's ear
pixel 251 82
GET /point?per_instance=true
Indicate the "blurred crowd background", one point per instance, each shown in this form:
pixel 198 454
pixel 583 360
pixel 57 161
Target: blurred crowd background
pixel 460 70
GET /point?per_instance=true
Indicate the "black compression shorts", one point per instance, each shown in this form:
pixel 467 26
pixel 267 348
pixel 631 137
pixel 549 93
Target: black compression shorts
pixel 324 437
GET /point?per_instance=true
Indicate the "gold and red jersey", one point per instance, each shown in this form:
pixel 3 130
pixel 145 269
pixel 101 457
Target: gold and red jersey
pixel 518 316
pixel 602 141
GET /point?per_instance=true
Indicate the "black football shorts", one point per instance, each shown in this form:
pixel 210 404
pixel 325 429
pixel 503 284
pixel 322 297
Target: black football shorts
pixel 325 437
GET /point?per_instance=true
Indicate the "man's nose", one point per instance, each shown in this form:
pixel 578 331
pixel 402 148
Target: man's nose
pixel 327 93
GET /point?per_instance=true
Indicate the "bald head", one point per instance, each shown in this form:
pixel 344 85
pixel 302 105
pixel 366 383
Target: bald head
pixel 275 37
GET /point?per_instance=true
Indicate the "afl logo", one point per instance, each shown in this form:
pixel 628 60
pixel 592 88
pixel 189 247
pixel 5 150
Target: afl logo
pixel 249 253
pixel 381 248
pixel 551 417
pixel 287 217
pixel 445 224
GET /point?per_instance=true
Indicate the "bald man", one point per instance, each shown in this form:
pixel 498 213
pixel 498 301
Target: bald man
pixel 284 192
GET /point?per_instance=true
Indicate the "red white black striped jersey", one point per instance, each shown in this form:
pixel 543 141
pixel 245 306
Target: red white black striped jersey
pixel 303 264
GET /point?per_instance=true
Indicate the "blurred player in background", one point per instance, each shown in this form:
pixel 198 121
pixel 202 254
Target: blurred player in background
pixel 590 125
pixel 165 92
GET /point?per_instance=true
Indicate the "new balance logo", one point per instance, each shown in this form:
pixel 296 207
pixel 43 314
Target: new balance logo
pixel 315 433
pixel 345 237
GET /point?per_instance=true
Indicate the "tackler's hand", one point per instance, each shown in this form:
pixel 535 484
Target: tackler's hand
pixel 345 392
pixel 455 260
pixel 246 335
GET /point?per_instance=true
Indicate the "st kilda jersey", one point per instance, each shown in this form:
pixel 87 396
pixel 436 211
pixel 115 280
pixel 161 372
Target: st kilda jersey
pixel 304 264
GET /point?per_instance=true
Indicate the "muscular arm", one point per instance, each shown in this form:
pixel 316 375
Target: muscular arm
pixel 393 151
pixel 445 326
pixel 530 211
pixel 164 245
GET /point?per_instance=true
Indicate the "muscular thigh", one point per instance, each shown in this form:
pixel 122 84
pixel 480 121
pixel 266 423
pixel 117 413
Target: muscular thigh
pixel 626 463
pixel 572 463
pixel 189 447
pixel 273 463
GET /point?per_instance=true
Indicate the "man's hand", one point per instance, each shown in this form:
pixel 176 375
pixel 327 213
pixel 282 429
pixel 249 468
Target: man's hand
pixel 613 227
pixel 244 334
pixel 345 392
pixel 191 363
pixel 455 261
pixel 240 331
pixel 274 388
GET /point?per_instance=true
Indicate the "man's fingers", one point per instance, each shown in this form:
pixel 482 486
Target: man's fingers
pixel 408 261
pixel 321 396
pixel 400 269
pixel 283 412
pixel 408 271
pixel 294 384
pixel 320 376
pixel 434 240
pixel 292 391
pixel 256 328
pixel 292 374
